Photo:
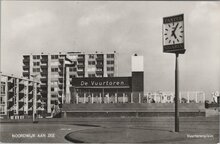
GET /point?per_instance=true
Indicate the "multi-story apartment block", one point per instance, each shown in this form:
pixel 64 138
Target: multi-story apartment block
pixel 20 97
pixel 55 73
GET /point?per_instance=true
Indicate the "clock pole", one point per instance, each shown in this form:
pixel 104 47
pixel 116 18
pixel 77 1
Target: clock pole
pixel 176 94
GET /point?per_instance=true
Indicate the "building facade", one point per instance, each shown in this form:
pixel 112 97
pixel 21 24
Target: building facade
pixel 55 72
pixel 110 90
pixel 20 98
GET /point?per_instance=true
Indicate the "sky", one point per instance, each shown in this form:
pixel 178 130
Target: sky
pixel 126 27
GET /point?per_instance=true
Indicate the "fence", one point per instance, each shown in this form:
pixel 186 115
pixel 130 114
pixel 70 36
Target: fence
pixel 129 97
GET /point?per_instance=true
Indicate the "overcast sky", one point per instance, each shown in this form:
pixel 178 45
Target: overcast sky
pixel 127 27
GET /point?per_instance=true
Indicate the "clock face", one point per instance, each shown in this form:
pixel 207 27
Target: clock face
pixel 173 33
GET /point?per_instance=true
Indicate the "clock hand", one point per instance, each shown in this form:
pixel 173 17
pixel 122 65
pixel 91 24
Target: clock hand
pixel 173 32
pixel 176 27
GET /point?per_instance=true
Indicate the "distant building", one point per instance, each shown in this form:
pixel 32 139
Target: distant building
pixel 168 97
pixel 55 72
pixel 216 97
pixel 19 98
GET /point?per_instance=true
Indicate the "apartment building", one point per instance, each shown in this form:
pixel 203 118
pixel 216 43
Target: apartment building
pixel 20 98
pixel 55 71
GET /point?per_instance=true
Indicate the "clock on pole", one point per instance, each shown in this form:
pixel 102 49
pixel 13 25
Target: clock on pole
pixel 173 34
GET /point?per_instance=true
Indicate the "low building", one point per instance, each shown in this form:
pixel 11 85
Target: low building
pixel 110 89
pixel 20 97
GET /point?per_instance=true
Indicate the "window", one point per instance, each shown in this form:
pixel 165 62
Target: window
pixel 110 55
pixel 2 89
pixel 91 56
pixel 72 76
pixel 36 69
pixel 54 63
pixel 72 69
pixel 110 75
pixel 80 69
pixel 80 63
pixel 53 96
pixel 2 110
pixel 2 101
pixel 54 56
pixel 52 89
pixel 91 75
pixel 110 68
pixel 110 62
pixel 99 63
pixel 36 63
pixel 99 75
pixel 54 83
pixel 54 69
pixel 91 62
pixel 36 57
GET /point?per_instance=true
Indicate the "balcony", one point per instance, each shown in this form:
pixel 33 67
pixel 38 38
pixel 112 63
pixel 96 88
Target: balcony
pixel 80 66
pixel 10 104
pixel 30 88
pixel 61 67
pixel 10 95
pixel 10 85
pixel 21 87
pixel 43 80
pixel 20 104
pixel 43 86
pixel 98 65
pixel 30 104
pixel 43 73
pixel 44 94
pixel 61 73
pixel 30 96
pixel 26 74
pixel 21 112
pixel 43 66
pixel 26 67
pixel 60 79
pixel 21 95
pixel 99 72
pixel 26 60
pixel 44 60
pixel 81 59
pixel 61 60
pixel 30 112
pixel 99 57
pixel 38 105
pixel 39 96
pixel 60 85
pixel 80 72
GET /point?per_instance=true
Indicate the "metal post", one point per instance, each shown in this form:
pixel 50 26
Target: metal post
pixel 203 96
pixel 139 95
pixel 116 99
pixel 100 96
pixel 77 98
pixel 187 97
pixel 131 97
pixel 108 98
pixel 63 82
pixel 84 98
pixel 176 95
pixel 196 97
